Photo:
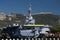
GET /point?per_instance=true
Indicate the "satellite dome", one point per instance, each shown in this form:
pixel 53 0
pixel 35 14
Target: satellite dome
pixel 30 17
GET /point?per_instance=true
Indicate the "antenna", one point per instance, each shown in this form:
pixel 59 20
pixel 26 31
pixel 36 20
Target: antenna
pixel 30 10
pixel 29 18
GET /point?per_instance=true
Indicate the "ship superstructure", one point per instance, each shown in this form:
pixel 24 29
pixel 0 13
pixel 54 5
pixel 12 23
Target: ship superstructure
pixel 30 29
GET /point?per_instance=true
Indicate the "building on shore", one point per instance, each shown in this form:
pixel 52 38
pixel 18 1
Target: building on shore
pixel 10 16
pixel 2 16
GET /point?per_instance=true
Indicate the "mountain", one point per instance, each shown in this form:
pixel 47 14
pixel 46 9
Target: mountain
pixel 50 19
pixel 46 19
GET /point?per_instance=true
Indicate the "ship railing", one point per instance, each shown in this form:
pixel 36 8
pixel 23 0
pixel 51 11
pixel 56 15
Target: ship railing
pixel 55 38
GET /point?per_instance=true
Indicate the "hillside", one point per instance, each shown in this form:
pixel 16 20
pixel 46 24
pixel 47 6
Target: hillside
pixel 42 18
pixel 50 19
pixel 46 19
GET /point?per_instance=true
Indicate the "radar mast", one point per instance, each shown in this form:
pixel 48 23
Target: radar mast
pixel 29 18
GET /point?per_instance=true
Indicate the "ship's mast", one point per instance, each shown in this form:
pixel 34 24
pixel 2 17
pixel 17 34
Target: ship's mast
pixel 30 10
pixel 29 18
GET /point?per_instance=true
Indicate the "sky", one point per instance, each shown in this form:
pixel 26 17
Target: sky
pixel 21 6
